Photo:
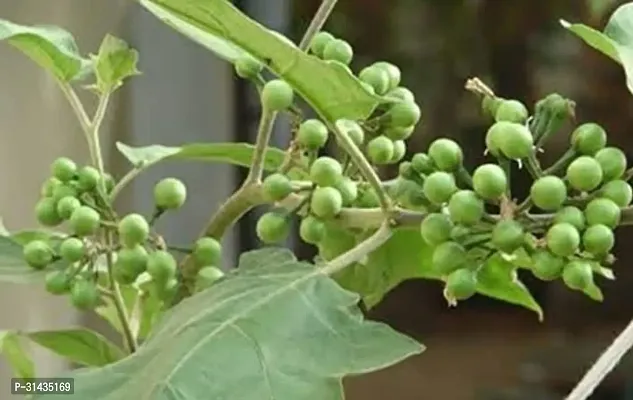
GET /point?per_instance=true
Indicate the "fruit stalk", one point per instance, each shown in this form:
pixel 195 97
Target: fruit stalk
pixel 322 14
pixel 266 123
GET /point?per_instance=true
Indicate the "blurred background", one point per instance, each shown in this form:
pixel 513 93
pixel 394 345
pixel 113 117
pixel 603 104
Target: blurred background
pixel 481 350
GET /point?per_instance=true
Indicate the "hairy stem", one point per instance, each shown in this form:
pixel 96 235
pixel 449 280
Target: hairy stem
pixel 82 117
pixel 266 123
pixel 123 182
pixel 319 19
pixel 95 125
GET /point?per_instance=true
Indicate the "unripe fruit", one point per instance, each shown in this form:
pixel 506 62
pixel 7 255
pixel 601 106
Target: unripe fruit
pixel 436 228
pixel 72 250
pixel 404 114
pixel 588 139
pixel 84 294
pixel 57 282
pixel 326 202
pixel 46 212
pixel 276 187
pixel 511 111
pixel 490 105
pixel 401 93
pixel 612 161
pixel 465 207
pixel 319 41
pixel 603 211
pixel 578 275
pixel 133 229
pixel 399 133
pixel 66 206
pixel 207 276
pixel 517 141
pixel 461 284
pixel 393 73
pixel 490 181
pixel 48 188
pixel 546 266
pixel 161 266
pixel 508 235
pixel 108 182
pixel 84 221
pixel 399 151
pixel 584 174
pixel 571 215
pixel 38 254
pixel 439 187
pixel 326 171
pixel 353 131
pixel 207 251
pixel 448 257
pixel 495 135
pixel 619 191
pixel 170 194
pixel 272 227
pixel 598 240
pixel 376 77
pixel 277 95
pixel 88 178
pixel 422 163
pixel 130 263
pixel 311 230
pixel 348 190
pixel 338 50
pixel 563 239
pixel 247 67
pixel 368 198
pixel 64 169
pixel 64 190
pixel 380 150
pixel 168 289
pixel 548 193
pixel 446 154
pixel 312 134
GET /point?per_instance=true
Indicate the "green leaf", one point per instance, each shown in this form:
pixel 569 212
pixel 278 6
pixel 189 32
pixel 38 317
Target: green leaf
pixel 13 351
pixel 616 41
pixel 254 335
pixel 13 268
pixel 52 48
pixel 115 62
pixel 81 346
pixel 329 87
pixel 594 292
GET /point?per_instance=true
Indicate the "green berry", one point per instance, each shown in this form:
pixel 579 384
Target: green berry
pixel 89 178
pixel 393 73
pixel 108 182
pixel 461 284
pixel 548 193
pixel 422 163
pixel 546 266
pixel 46 212
pixel 170 194
pixel 272 227
pixel 130 263
pixel 508 235
pixel 517 141
pixel 312 134
pixel 168 289
pixel 48 188
pixel 353 131
pixel 208 276
pixel 603 211
pixel 584 174
pixel 571 215
pixel 84 221
pixel 161 266
pixel 399 133
pixel 133 229
pixel 563 239
pixel 401 93
pixel 311 230
pixel 448 257
pixel 598 240
pixel 64 190
pixel 276 187
pixel 319 41
pixel 64 169
pixel 326 202
pixel 465 207
pixel 368 198
pixel 248 67
pixel 207 251
pixel 446 154
pixel 57 282
pixel 439 187
pixel 436 228
pixel 326 171
pixel 277 95
pixel 490 105
pixel 511 111
pixel 404 114
pixel 588 139
pixel 490 181
pixel 578 275
pixel 380 150
pixel 72 249
pixel 619 191
pixel 348 189
pixel 38 254
pixel 399 151
pixel 66 206
pixel 376 77
pixel 84 294
pixel 338 50
pixel 612 161
pixel 495 136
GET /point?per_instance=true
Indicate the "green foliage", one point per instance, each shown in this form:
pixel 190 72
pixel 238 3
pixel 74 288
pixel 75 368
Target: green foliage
pixel 12 349
pixel 115 62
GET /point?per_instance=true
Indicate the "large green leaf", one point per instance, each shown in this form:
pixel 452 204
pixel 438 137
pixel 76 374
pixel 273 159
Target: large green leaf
pixel 50 47
pixel 616 41
pixel 81 346
pixel 12 349
pixel 329 87
pixel 276 331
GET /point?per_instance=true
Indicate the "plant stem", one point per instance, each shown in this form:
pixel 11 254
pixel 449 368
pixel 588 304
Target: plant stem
pixel 123 182
pixel 82 117
pixel 95 125
pixel 533 167
pixel 319 19
pixel 561 163
pixel 266 123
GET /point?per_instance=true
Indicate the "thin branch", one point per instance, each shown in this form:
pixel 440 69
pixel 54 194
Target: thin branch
pixel 266 123
pixel 123 182
pixel 94 127
pixel 80 112
pixel 319 19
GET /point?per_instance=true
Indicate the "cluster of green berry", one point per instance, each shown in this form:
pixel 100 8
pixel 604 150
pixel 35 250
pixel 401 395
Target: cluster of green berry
pixel 80 197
